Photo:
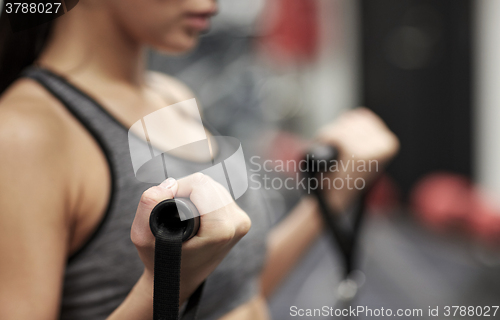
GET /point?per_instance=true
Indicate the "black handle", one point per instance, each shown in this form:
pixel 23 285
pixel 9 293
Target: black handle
pixel 167 214
pixel 319 157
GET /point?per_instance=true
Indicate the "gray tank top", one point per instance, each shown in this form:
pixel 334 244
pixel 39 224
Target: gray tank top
pixel 100 275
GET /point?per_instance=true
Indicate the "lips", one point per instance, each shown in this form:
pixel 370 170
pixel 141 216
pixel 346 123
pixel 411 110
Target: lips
pixel 200 20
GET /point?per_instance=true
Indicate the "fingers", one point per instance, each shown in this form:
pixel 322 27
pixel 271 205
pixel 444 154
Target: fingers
pixel 225 223
pixel 205 193
pixel 141 233
pixel 362 133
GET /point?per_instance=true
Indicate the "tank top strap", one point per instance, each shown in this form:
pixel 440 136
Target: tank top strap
pixel 81 104
pixel 110 135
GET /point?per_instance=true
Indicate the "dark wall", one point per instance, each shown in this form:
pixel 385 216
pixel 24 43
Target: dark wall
pixel 417 77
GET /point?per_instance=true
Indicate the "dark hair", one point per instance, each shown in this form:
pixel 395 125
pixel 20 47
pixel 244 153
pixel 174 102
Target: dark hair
pixel 19 49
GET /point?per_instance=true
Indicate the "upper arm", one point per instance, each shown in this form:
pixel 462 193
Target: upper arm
pixel 33 220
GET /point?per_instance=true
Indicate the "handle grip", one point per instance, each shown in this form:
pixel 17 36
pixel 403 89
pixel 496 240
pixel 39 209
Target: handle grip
pixel 166 216
pixel 319 157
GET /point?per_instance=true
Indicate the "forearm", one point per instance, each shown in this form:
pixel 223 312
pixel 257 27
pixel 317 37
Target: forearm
pixel 139 303
pixel 288 241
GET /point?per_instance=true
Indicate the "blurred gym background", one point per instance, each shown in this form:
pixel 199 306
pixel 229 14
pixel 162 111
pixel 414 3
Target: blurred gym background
pixel 270 72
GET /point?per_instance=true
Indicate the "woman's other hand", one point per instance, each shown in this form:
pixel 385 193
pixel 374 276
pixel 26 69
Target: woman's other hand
pixel 365 144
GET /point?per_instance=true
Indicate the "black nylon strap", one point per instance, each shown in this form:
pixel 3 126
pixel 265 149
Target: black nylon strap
pixel 345 234
pixel 167 275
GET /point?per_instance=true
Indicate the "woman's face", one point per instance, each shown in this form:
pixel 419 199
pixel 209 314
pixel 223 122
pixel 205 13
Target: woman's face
pixel 167 25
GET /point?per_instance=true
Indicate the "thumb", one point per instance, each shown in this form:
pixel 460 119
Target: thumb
pixel 141 233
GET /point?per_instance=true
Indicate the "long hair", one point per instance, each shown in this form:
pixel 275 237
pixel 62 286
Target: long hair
pixel 19 49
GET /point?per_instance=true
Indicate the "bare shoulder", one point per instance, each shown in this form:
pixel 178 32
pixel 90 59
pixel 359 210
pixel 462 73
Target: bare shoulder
pixel 31 123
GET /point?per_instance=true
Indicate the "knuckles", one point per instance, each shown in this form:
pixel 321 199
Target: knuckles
pixel 229 230
pixel 224 234
pixel 200 179
pixel 243 225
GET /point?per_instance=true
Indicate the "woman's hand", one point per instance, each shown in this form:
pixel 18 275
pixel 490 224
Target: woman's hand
pixel 364 141
pixel 222 225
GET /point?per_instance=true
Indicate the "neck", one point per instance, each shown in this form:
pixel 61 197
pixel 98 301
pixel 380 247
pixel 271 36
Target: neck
pixel 81 49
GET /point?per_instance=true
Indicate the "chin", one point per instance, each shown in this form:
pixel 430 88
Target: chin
pixel 180 46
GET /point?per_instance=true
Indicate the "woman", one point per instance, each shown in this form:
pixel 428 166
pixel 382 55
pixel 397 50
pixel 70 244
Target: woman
pixel 67 189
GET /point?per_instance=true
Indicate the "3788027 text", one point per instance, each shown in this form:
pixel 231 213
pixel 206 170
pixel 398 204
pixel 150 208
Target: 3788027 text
pixel 465 311
pixel 32 7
